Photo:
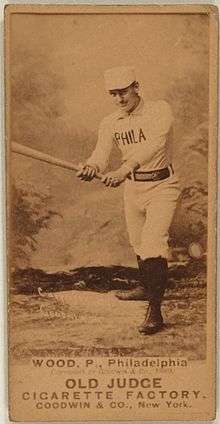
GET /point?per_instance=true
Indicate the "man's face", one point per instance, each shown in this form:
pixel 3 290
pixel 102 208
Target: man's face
pixel 126 98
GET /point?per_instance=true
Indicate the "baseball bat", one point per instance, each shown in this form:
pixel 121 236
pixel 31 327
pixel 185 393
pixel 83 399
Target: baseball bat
pixel 43 157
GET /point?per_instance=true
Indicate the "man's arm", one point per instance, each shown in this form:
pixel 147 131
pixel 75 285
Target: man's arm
pixel 98 161
pixel 100 156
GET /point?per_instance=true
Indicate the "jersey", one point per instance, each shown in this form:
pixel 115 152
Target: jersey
pixel 141 136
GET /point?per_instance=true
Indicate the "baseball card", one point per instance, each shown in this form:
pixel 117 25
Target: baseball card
pixel 111 150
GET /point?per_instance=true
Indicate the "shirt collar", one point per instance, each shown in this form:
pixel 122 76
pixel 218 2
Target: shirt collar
pixel 136 111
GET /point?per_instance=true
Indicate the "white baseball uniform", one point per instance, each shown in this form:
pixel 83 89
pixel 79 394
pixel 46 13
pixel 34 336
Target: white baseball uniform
pixel 143 136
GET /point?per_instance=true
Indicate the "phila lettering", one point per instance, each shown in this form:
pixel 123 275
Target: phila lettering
pixel 129 137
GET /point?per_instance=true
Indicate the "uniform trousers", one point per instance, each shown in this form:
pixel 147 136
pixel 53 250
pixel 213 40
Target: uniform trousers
pixel 149 209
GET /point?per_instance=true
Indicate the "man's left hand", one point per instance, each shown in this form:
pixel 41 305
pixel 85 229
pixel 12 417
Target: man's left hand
pixel 114 178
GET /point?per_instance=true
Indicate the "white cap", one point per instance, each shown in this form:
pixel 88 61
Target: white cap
pixel 119 78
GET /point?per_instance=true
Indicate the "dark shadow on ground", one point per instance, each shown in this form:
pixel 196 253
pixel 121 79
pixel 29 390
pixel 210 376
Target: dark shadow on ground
pixel 103 279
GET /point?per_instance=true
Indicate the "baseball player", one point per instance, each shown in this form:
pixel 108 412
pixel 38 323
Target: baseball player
pixel 142 131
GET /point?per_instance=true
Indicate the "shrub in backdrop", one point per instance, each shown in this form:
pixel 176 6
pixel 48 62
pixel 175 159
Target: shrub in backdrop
pixel 190 222
pixel 30 213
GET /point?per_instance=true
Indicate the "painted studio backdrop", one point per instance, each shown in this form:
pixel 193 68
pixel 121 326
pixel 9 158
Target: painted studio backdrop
pixel 58 99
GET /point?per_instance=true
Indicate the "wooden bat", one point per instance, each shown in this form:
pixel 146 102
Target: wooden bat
pixel 43 157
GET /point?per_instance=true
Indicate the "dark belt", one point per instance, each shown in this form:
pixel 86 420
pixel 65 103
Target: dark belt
pixel 157 175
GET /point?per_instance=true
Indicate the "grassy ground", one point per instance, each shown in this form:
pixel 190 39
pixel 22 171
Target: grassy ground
pixel 80 319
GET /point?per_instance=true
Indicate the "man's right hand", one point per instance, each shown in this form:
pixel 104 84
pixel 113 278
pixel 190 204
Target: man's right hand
pixel 86 172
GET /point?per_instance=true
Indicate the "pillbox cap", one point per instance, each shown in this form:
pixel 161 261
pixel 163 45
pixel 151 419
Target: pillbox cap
pixel 119 78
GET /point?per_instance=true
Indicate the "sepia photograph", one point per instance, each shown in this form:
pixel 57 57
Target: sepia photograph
pixel 111 183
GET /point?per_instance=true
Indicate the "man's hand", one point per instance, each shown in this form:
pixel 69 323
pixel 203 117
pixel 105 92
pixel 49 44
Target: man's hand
pixel 86 172
pixel 115 178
